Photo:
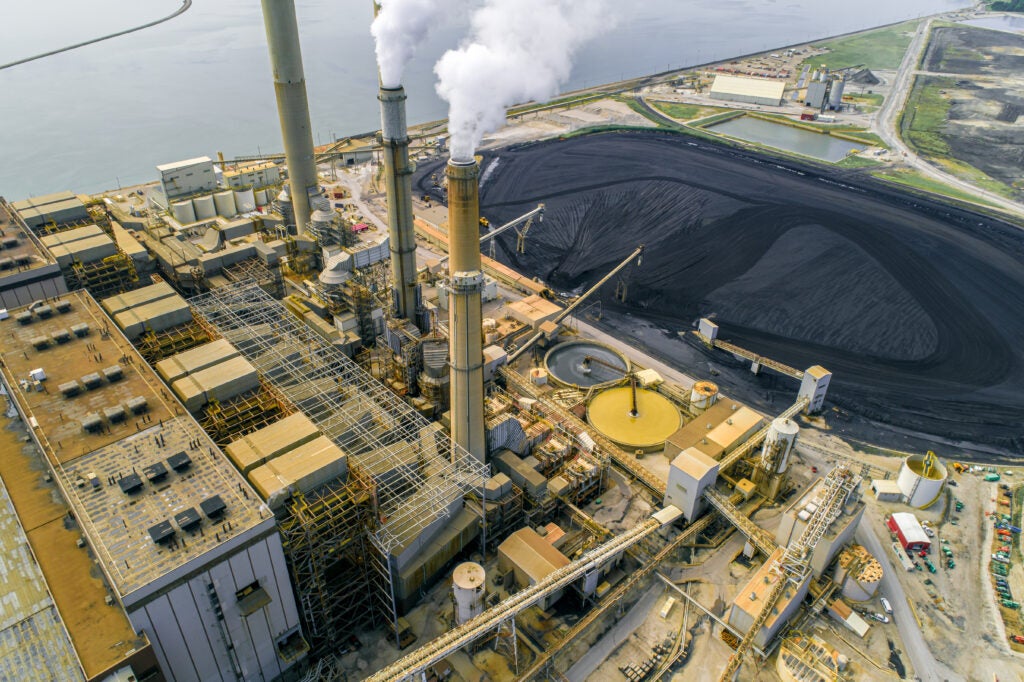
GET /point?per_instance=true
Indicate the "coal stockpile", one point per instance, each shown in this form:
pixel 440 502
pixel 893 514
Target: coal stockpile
pixel 916 307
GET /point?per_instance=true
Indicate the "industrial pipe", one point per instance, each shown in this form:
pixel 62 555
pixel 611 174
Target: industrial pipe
pixel 292 106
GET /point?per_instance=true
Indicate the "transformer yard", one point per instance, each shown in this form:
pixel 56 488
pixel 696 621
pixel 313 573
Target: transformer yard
pixel 614 405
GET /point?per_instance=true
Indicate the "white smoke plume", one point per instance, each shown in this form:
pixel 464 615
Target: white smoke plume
pixel 519 50
pixel 398 29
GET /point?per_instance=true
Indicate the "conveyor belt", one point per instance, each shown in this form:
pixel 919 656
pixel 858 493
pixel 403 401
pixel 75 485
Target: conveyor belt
pixel 489 620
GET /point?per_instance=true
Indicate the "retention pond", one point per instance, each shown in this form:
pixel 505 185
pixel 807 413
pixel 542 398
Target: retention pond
pixel 787 138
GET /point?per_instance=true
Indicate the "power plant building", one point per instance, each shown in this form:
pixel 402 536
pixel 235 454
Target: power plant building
pixel 188 177
pixel 188 553
pixel 836 537
pixel 748 90
pixel 751 600
pixel 28 272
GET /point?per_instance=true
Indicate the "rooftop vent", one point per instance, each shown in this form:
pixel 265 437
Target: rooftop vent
pixel 8 242
pixel 92 422
pixel 61 336
pixel 180 461
pixel 62 306
pixel 155 472
pixel 213 507
pixel 92 381
pixel 80 329
pixel 44 311
pixel 70 389
pixel 114 414
pixel 6 263
pixel 23 259
pixel 161 532
pixel 40 343
pixel 137 405
pixel 130 484
pixel 24 317
pixel 187 519
pixel 113 373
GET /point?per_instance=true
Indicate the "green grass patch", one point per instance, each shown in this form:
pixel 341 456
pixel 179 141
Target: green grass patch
pixel 684 112
pixel 880 49
pixel 718 118
pixel 924 116
pixel 911 178
pixel 853 133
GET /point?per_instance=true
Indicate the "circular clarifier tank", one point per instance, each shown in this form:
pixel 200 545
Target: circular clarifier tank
pixel 646 428
pixel 585 364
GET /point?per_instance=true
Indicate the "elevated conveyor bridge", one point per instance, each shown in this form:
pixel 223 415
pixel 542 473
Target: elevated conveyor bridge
pixel 416 663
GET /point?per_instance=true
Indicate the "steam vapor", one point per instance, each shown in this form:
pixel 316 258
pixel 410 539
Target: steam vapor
pixel 519 50
pixel 400 26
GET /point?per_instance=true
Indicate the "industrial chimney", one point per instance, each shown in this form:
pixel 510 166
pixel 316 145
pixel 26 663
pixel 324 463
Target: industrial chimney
pixel 292 106
pixel 464 316
pixel 398 178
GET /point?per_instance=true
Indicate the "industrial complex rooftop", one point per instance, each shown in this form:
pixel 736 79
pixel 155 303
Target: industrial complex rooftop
pixel 19 249
pixel 146 483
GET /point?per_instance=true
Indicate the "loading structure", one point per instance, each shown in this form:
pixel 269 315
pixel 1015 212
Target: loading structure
pixel 407 481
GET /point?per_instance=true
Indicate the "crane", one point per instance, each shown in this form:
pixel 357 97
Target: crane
pixel 793 566
pixel 637 254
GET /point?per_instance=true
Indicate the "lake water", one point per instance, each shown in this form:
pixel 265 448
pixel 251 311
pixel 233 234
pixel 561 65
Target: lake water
pixel 104 115
pixel 788 138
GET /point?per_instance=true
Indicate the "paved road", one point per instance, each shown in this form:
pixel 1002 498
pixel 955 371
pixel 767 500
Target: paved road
pixel 885 124
pixel 926 667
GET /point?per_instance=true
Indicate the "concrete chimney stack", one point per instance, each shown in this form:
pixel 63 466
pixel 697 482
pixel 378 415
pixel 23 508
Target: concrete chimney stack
pixel 292 106
pixel 466 356
pixel 398 178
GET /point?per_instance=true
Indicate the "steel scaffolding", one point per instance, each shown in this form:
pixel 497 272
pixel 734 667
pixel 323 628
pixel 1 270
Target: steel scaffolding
pixel 253 268
pixel 419 475
pixel 325 541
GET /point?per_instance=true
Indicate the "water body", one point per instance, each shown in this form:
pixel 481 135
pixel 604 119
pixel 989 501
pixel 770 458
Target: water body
pixel 788 138
pixel 106 114
pixel 1003 22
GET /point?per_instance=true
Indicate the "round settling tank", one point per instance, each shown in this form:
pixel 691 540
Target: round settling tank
pixel 585 364
pixel 646 428
pixel 703 395
pixel 921 480
pixel 261 197
pixel 468 591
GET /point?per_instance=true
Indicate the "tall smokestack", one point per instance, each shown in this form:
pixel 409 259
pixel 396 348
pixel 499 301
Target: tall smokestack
pixel 292 106
pixel 464 317
pixel 398 178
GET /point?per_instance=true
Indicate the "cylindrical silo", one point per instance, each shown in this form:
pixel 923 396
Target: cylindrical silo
pixel 205 208
pixel 835 100
pixel 921 479
pixel 225 203
pixel 246 201
pixel 468 591
pixel 703 395
pixel 858 573
pixel 781 436
pixel 183 212
pixel 261 197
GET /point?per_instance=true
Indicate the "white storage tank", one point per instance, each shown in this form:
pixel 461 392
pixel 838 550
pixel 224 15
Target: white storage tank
pixel 245 200
pixel 205 208
pixel 468 583
pixel 225 203
pixel 703 395
pixel 781 435
pixel 183 212
pixel 261 197
pixel 539 376
pixel 921 480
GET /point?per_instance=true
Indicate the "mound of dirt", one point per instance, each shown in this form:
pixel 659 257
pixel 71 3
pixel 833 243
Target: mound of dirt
pixel 917 308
